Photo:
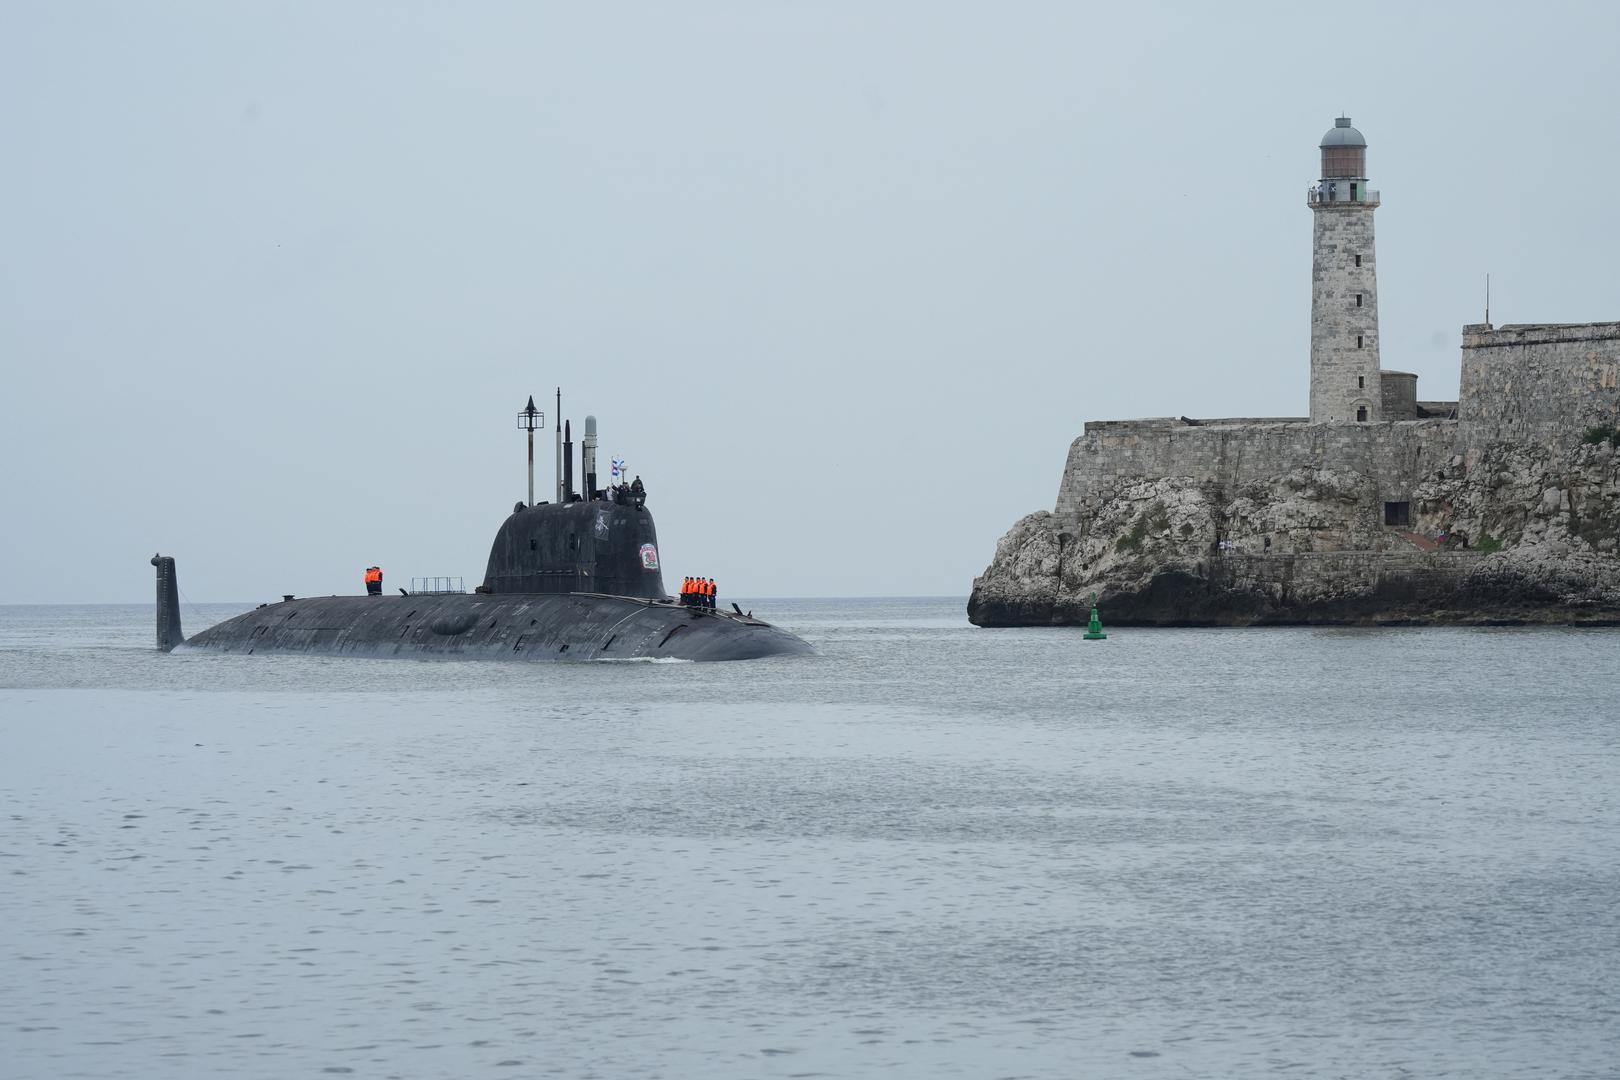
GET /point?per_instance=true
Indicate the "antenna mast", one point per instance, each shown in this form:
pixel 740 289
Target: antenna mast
pixel 529 419
pixel 1487 299
pixel 558 428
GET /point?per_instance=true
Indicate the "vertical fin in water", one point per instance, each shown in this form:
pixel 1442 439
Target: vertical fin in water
pixel 168 604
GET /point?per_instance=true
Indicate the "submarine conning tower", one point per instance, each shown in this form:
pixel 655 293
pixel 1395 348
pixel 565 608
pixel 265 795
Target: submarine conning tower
pixel 594 547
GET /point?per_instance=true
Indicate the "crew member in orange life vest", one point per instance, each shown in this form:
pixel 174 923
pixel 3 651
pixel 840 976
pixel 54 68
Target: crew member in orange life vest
pixel 686 592
pixel 373 581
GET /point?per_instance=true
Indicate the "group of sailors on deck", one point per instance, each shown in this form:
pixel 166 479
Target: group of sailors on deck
pixel 631 494
pixel 698 593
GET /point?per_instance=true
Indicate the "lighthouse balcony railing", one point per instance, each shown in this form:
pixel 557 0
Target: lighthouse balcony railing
pixel 1317 195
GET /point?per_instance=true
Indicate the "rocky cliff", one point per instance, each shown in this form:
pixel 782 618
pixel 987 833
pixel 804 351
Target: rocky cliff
pixel 1504 534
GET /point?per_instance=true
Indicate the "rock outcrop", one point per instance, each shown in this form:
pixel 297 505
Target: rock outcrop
pixel 1504 534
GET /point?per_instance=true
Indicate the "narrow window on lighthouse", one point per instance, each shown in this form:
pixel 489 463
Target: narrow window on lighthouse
pixel 1358 341
pixel 1361 382
pixel 1358 299
pixel 1358 260
pixel 1361 415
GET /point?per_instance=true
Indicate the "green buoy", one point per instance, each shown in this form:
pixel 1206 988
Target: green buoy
pixel 1094 632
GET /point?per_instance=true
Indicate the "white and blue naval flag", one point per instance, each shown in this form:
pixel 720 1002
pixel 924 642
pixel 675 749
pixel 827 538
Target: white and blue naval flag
pixel 618 467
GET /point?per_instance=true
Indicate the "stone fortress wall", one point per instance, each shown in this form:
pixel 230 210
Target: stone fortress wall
pixel 1527 385
pixel 1542 384
pixel 1398 395
pixel 1396 455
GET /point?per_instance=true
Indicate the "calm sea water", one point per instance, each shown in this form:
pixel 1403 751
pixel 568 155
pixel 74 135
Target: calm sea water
pixel 929 851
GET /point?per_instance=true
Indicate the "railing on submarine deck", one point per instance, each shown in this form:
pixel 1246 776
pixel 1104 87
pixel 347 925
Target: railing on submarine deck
pixel 427 586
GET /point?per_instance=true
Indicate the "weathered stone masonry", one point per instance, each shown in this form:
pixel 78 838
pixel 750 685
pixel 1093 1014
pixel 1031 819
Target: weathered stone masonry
pixel 1344 316
pixel 1542 384
pixel 1394 457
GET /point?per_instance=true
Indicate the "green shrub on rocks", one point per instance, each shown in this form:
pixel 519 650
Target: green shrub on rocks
pixel 1488 544
pixel 1133 539
pixel 1602 433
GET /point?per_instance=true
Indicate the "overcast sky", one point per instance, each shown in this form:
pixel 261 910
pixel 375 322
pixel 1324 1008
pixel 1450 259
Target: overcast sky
pixel 841 281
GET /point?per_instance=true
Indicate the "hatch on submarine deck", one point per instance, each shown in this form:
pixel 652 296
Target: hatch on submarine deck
pixel 578 579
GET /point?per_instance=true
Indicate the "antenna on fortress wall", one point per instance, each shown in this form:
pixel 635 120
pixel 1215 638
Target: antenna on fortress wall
pixel 1487 299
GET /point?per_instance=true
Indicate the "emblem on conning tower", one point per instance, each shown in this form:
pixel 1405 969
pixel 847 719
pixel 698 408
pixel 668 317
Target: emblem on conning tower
pixel 649 557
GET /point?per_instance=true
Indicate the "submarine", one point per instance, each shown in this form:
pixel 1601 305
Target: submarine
pixel 575 579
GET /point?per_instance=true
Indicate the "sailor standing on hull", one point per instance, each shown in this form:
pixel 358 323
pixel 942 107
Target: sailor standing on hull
pixel 373 581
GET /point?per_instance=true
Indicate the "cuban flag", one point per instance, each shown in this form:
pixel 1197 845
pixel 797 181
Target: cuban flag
pixel 618 468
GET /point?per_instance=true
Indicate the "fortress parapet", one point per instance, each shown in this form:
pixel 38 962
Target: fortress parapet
pixel 1174 423
pixel 1539 383
pixel 1391 459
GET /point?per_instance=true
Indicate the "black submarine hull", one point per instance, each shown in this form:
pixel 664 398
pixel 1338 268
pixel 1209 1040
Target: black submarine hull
pixel 527 627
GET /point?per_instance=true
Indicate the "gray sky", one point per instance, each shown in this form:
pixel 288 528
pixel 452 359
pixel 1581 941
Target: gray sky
pixel 841 281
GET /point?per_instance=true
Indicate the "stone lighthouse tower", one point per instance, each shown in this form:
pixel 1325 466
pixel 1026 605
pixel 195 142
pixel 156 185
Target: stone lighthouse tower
pixel 1344 284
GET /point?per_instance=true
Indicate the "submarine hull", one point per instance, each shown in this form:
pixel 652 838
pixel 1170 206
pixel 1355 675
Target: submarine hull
pixel 529 627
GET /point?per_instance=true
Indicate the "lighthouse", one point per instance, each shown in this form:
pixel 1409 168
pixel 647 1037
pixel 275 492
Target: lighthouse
pixel 1344 284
